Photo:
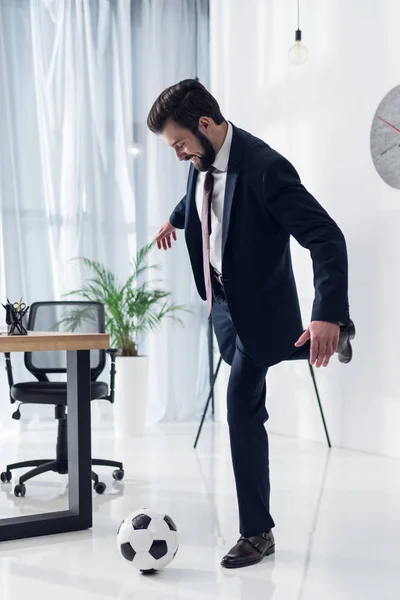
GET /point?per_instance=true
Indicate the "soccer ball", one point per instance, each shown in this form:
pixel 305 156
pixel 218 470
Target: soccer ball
pixel 148 540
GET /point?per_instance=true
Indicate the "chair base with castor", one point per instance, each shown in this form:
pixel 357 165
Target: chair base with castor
pixel 60 464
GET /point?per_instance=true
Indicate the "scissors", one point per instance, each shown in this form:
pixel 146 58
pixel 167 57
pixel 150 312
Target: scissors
pixel 19 306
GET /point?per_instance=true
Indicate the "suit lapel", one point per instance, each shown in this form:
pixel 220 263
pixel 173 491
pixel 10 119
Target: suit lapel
pixel 193 232
pixel 191 210
pixel 231 180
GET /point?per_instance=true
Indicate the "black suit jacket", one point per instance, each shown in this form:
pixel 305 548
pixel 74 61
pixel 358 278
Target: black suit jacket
pixel 265 203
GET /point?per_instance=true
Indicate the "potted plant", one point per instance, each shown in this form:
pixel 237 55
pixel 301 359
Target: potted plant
pixel 132 309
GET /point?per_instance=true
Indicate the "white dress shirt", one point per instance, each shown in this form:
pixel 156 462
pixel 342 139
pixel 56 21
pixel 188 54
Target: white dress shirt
pixel 217 204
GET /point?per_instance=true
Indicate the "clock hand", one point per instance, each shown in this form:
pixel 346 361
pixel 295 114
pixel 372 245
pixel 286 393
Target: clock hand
pixel 389 125
pixel 390 148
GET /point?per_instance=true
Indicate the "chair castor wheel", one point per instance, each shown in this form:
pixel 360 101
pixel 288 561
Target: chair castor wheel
pixel 118 474
pixel 6 477
pixel 99 487
pixel 19 490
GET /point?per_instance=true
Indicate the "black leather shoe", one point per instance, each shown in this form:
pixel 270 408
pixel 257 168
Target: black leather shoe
pixel 249 551
pixel 344 349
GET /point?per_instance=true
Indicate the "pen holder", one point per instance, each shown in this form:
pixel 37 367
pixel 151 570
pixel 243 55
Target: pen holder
pixel 15 314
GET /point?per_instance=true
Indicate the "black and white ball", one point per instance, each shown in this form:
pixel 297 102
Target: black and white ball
pixel 148 540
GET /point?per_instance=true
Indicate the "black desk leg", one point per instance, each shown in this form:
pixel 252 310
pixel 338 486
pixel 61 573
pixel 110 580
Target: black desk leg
pixel 79 514
pixel 79 436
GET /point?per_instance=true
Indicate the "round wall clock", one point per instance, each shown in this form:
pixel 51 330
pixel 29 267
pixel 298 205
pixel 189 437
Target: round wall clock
pixel 385 138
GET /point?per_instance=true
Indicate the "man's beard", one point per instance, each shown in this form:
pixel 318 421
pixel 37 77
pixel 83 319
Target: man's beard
pixel 205 161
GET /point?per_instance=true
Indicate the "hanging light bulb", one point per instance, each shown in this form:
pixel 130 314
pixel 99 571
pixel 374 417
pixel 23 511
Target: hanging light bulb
pixel 298 53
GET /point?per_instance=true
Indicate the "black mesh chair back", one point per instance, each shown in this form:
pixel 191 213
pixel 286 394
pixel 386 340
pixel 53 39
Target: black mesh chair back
pixel 65 316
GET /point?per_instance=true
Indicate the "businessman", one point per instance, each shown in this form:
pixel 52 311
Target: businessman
pixel 243 202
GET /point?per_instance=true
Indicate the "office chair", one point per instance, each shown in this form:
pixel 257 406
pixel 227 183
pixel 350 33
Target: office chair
pixel 82 317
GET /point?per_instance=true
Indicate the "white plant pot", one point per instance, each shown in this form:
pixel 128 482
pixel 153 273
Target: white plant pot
pixel 131 395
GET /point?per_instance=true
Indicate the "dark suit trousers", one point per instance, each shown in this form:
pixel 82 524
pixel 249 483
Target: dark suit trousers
pixel 247 414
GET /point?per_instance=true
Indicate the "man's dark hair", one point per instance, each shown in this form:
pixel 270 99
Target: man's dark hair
pixel 184 103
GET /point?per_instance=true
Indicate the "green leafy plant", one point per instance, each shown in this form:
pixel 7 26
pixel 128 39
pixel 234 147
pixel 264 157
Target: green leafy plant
pixel 132 308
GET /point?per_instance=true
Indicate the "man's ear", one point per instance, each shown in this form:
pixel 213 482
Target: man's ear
pixel 205 124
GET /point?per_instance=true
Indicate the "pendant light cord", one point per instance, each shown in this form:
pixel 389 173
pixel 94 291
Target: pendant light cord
pixel 298 14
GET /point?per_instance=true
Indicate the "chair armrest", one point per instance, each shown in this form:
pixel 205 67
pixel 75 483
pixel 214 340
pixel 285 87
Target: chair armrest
pixel 9 371
pixel 113 353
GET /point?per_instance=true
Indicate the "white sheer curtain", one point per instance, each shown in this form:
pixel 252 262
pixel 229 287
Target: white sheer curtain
pixel 66 121
pixel 74 79
pixel 170 43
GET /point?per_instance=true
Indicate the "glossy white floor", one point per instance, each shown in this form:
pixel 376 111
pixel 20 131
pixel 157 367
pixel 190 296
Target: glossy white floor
pixel 337 515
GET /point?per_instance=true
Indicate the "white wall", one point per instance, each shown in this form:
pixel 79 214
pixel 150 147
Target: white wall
pixel 319 116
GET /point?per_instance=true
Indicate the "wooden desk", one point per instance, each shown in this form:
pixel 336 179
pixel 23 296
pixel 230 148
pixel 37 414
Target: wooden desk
pixel 79 513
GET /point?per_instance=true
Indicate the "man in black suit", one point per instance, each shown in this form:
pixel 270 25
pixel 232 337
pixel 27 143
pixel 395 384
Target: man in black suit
pixel 243 202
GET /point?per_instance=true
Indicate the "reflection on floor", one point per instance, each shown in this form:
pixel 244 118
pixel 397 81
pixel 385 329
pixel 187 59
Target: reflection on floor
pixel 337 533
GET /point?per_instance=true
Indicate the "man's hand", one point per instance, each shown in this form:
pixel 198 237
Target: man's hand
pixel 163 237
pixel 324 338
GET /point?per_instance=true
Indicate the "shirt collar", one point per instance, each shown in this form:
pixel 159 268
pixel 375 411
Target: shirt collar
pixel 222 157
